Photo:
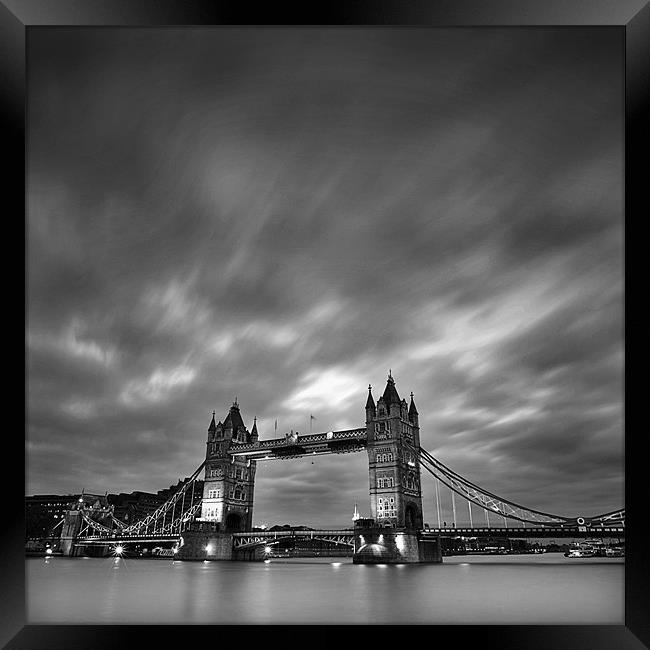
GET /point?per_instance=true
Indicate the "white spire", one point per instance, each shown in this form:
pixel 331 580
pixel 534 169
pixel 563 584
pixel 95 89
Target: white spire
pixel 356 514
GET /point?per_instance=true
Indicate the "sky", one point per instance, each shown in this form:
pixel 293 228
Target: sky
pixel 283 215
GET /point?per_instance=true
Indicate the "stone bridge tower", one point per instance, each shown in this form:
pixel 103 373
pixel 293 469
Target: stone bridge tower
pixel 229 480
pixel 393 445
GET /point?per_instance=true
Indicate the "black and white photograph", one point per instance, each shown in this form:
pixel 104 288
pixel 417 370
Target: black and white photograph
pixel 325 325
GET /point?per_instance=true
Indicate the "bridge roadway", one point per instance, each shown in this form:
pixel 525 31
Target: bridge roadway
pixel 294 445
pixel 346 535
pixel 97 540
pixel 343 536
pixel 527 532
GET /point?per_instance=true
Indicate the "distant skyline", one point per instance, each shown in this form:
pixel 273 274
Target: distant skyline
pixel 282 215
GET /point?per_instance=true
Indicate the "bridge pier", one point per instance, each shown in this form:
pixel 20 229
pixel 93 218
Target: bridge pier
pixel 69 532
pixel 255 554
pixel 383 545
pixel 205 541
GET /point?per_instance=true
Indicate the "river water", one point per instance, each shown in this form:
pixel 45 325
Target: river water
pixel 516 589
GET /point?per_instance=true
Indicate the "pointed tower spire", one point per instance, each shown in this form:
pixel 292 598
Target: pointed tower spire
pixel 390 393
pixel 254 435
pixel 213 426
pixel 413 412
pixel 370 402
pixel 371 409
pixel 356 514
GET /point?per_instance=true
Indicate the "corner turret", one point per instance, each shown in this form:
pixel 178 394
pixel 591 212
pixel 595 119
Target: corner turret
pixel 212 429
pixel 371 409
pixel 413 413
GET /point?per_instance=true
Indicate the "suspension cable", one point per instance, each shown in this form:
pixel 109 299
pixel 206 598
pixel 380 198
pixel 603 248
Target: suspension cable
pixel 162 510
pixel 464 488
pixel 454 475
pixel 485 507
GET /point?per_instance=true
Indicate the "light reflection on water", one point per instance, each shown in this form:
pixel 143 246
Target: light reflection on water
pixel 463 590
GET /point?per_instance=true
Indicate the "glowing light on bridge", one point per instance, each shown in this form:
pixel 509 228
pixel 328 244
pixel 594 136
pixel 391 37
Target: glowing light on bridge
pixel 267 549
pixel 209 548
pixel 48 551
pixel 118 550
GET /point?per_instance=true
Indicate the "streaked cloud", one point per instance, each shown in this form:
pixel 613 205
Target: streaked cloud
pixel 283 215
pixel 157 386
pixel 71 342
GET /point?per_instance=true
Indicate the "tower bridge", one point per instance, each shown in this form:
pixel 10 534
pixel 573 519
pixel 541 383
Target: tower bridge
pixel 219 524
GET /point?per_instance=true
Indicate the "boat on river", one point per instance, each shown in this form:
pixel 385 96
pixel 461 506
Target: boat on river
pixel 594 548
pixel 581 550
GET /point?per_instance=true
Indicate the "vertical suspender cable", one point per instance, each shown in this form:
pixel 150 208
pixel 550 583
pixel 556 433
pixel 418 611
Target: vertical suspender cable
pixel 487 517
pixel 192 497
pixel 438 501
pixel 469 506
pixel 180 524
pixel 453 506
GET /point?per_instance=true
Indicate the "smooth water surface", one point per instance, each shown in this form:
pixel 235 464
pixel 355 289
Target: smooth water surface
pixel 516 589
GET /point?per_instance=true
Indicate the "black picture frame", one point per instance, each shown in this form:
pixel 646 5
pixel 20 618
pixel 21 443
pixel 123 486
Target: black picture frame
pixel 631 17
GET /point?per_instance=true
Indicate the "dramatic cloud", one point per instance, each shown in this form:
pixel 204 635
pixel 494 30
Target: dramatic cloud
pixel 283 215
